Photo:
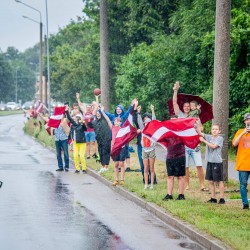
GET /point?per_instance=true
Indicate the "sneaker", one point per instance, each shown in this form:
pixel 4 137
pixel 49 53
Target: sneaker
pixel 212 200
pixel 77 171
pixel 1 183
pixel 246 206
pixel 127 170
pixel 115 183
pixel 222 201
pixel 168 197
pixel 59 169
pixel 84 172
pixel 180 197
pixel 66 170
pixel 88 157
pixel 145 187
pixel 151 187
pixel 121 182
pixel 95 156
pixel 101 170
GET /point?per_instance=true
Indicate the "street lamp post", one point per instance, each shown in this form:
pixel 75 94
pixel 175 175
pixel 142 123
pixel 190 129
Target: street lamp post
pixel 41 49
pixel 48 66
pixel 16 83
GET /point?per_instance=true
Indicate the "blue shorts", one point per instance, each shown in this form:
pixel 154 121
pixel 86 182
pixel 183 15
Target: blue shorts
pixel 90 136
pixel 195 154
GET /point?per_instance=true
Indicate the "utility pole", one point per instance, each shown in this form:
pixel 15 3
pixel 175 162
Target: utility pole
pixel 104 65
pixel 221 74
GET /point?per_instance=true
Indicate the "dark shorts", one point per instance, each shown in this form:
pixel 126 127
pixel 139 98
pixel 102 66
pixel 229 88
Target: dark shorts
pixel 127 154
pixel 122 155
pixel 214 171
pixel 176 166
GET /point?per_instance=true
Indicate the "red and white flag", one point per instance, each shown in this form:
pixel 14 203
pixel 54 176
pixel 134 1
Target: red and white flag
pixel 183 128
pixel 40 108
pixel 55 120
pixel 126 133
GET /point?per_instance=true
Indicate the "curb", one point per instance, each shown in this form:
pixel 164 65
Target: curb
pixel 207 241
pixel 203 239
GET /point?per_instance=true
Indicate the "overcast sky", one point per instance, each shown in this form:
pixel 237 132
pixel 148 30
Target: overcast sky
pixel 22 33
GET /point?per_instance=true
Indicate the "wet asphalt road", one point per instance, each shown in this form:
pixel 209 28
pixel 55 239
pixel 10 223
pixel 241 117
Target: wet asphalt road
pixel 43 209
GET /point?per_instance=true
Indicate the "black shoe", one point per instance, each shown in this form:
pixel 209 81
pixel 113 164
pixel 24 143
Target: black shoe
pixel 77 172
pixel 246 206
pixel 95 156
pixel 127 170
pixel 1 183
pixel 180 197
pixel 168 197
pixel 212 200
pixel 84 172
pixel 59 169
pixel 66 170
pixel 88 157
pixel 222 201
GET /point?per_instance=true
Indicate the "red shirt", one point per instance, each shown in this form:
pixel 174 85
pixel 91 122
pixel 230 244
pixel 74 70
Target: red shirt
pixel 88 117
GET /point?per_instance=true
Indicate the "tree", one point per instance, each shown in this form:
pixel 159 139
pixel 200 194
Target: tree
pixel 221 74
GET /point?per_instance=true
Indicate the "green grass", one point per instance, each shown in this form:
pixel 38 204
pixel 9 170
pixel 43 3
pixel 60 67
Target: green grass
pixel 10 112
pixel 229 223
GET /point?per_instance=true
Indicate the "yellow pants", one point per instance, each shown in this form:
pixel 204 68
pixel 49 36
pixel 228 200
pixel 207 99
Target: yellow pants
pixel 79 149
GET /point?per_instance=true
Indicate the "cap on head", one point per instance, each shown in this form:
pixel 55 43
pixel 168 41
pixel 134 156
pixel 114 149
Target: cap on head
pixel 79 116
pixel 246 116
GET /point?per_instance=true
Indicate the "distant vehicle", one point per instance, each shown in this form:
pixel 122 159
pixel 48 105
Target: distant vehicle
pixel 27 105
pixel 11 105
pixel 3 107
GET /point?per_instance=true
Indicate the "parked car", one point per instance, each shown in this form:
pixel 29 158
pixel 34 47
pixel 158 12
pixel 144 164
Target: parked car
pixel 3 107
pixel 28 105
pixel 11 105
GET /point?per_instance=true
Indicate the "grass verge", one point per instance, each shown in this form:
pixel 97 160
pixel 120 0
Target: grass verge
pixel 228 223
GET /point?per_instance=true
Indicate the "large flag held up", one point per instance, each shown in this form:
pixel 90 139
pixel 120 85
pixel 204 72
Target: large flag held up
pixel 126 133
pixel 183 128
pixel 55 120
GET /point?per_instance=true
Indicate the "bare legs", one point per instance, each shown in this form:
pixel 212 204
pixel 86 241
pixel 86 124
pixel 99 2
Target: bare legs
pixel 200 173
pixel 151 165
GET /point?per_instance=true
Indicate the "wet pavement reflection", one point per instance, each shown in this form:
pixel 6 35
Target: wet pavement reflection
pixel 42 214
pixel 43 209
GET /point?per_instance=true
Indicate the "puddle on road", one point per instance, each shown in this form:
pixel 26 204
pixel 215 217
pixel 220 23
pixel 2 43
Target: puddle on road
pixel 76 220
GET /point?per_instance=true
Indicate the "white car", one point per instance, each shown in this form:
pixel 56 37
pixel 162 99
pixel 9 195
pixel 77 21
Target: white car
pixel 11 105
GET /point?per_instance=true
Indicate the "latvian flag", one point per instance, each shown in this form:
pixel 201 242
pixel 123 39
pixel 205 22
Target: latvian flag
pixel 55 120
pixel 126 133
pixel 182 128
pixel 40 108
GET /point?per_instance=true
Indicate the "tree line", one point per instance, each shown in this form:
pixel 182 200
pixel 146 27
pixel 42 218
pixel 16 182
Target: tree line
pixel 151 45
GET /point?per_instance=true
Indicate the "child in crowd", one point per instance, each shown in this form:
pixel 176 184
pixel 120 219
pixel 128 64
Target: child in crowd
pixel 195 109
pixel 78 128
pixel 176 166
pixel 119 160
pixel 214 172
pixel 148 149
pixel 103 136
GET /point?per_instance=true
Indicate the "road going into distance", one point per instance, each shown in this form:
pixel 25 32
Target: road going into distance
pixel 44 209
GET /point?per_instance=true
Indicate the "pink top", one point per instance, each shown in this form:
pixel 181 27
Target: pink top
pixel 88 117
pixel 115 131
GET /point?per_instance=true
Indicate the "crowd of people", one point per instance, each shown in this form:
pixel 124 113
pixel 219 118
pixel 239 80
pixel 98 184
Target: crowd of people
pixel 93 130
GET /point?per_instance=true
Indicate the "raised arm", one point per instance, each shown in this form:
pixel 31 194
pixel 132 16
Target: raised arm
pixel 140 122
pixel 68 115
pixel 175 104
pixel 237 138
pixel 152 107
pixel 80 103
pixel 106 117
pixel 46 119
